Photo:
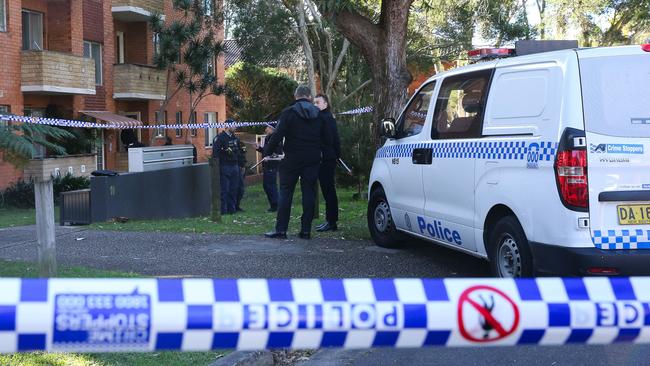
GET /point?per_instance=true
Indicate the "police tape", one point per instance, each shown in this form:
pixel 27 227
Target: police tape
pixel 86 124
pixel 120 315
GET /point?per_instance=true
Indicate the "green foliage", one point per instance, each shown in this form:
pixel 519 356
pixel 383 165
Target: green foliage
pixel 18 141
pixel 263 30
pixel 258 94
pixel 21 194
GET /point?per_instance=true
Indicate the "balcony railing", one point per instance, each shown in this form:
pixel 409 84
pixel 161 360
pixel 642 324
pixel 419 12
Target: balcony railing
pixel 134 81
pixel 136 10
pixel 50 72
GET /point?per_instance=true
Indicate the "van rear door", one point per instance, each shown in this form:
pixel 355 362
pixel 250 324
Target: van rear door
pixel 616 103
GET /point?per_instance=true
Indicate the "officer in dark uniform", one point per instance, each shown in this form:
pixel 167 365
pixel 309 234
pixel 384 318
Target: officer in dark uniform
pixel 327 171
pixel 304 133
pixel 226 149
pixel 241 162
pixel 270 182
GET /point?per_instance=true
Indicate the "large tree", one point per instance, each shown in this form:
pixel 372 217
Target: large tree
pixel 383 44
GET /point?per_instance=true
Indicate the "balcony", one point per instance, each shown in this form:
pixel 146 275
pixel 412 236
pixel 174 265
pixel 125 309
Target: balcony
pixel 139 82
pixel 50 72
pixel 136 10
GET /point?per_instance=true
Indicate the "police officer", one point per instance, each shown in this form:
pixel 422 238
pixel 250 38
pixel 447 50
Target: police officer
pixel 331 153
pixel 226 149
pixel 241 162
pixel 270 182
pixel 304 133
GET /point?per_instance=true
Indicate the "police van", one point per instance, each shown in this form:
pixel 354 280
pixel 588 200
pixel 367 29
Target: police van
pixel 538 162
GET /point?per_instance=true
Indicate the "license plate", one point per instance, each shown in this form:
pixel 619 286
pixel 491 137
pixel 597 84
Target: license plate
pixel 633 214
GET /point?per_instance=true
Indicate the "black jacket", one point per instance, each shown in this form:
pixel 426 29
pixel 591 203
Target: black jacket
pixel 304 132
pixel 333 151
pixel 270 164
pixel 226 148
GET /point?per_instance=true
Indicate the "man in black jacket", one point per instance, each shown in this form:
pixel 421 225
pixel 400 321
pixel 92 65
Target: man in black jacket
pixel 270 182
pixel 331 153
pixel 304 133
pixel 226 149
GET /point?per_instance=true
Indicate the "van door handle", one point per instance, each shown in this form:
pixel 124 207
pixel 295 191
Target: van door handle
pixel 624 196
pixel 423 156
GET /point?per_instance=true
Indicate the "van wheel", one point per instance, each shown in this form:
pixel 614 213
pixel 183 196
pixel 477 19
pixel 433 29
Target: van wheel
pixel 509 252
pixel 380 221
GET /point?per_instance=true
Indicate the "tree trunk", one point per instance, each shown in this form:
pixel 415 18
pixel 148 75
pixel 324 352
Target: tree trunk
pixel 383 46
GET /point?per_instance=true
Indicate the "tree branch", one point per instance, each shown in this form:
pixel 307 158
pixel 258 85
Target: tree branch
pixel 337 66
pixel 360 31
pixel 363 85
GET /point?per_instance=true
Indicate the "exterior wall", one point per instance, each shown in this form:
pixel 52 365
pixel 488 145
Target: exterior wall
pixel 66 24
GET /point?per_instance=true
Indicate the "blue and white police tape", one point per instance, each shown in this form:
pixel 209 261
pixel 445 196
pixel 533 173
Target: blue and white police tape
pixel 84 124
pixel 361 110
pixel 114 315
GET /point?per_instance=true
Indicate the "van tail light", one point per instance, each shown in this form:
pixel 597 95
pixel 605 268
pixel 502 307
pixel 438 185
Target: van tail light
pixel 646 47
pixel 571 175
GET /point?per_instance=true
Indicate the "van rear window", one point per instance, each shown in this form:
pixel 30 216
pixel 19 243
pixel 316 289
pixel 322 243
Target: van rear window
pixel 616 95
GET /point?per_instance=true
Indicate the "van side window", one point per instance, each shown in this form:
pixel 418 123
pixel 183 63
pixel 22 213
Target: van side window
pixel 460 106
pixel 412 120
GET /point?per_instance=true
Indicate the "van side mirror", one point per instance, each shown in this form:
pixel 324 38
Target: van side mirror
pixel 388 128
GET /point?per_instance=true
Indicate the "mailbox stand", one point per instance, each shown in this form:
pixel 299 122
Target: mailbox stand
pixel 44 199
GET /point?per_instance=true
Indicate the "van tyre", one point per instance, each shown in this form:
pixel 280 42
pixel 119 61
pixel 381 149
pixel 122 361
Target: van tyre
pixel 380 221
pixel 509 251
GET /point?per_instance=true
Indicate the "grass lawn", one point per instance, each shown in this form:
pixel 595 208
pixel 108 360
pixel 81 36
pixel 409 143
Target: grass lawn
pixel 10 217
pixel 255 220
pixel 21 269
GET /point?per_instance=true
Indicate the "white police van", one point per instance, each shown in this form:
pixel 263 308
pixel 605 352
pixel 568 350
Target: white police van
pixel 538 163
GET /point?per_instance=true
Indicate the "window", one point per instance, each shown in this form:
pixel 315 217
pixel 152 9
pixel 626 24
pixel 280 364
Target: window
pixel 412 120
pixel 156 45
pixel 120 47
pixel 160 132
pixel 459 107
pixel 193 131
pixel 3 16
pixel 94 50
pixel 208 7
pixel 4 109
pixel 210 133
pixel 209 66
pixel 32 30
pixel 179 121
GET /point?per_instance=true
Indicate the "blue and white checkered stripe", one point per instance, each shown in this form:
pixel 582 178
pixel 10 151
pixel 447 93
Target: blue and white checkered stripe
pixel 112 315
pixel 621 239
pixel 493 150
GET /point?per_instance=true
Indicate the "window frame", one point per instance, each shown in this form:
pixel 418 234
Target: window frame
pixel 476 131
pixel 400 120
pixel 160 132
pixel 155 40
pixel 4 109
pixel 210 132
pixel 101 60
pixel 3 16
pixel 42 35
pixel 179 121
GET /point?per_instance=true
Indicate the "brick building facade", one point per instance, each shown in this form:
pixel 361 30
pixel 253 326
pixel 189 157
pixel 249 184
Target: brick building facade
pixel 93 55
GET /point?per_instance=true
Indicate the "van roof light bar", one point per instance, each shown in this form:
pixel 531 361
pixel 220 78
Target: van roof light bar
pixel 482 54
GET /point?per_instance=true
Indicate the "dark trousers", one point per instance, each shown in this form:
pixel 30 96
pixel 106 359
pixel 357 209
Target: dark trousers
pixel 229 175
pixel 289 174
pixel 270 184
pixel 241 187
pixel 328 187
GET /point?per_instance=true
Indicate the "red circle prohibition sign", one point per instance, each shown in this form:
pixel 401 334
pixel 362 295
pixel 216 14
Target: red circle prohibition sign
pixel 486 314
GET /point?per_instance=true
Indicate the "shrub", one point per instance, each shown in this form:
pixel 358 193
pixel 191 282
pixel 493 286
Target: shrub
pixel 21 193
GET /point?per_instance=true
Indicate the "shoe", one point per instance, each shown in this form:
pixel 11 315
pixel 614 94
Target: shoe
pixel 276 235
pixel 304 235
pixel 326 227
pixel 239 209
pixel 272 209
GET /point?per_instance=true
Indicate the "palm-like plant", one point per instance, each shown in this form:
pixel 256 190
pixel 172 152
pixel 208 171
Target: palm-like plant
pixel 19 141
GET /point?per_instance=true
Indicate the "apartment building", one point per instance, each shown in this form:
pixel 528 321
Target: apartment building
pixel 93 59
